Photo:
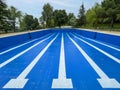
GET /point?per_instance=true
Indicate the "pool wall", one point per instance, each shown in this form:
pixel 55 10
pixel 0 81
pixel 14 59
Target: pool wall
pixel 19 39
pixel 22 38
pixel 108 38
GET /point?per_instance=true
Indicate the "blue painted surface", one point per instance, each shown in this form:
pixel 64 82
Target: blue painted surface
pixel 38 34
pixel 5 42
pixel 13 40
pixel 88 34
pixel 78 69
pixel 108 38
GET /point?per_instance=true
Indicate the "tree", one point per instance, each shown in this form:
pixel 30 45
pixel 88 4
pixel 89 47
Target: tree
pixel 81 16
pixel 71 19
pixel 95 16
pixel 60 17
pixel 91 17
pixel 35 24
pixel 42 23
pixel 4 25
pixel 23 24
pixel 47 14
pixel 117 4
pixel 111 12
pixel 29 23
pixel 14 14
pixel 52 23
pixel 2 12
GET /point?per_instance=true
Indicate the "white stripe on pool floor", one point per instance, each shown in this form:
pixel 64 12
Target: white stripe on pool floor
pixel 62 81
pixel 22 45
pixel 100 43
pixel 104 80
pixel 100 50
pixel 21 80
pixel 21 53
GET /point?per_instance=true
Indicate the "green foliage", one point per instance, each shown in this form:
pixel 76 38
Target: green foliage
pixel 54 18
pixel 60 17
pixel 118 17
pixel 91 17
pixel 35 24
pixel 110 9
pixel 94 15
pixel 23 25
pixel 14 14
pixel 71 19
pixel 29 23
pixel 81 16
pixel 106 13
pixel 47 14
pixel 52 23
pixel 42 23
pixel 11 19
pixel 4 25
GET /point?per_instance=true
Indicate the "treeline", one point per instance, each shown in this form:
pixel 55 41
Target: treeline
pixel 13 20
pixel 104 15
pixel 53 18
pixel 101 16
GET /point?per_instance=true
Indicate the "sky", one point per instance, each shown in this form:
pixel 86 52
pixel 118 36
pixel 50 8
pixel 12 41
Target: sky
pixel 34 7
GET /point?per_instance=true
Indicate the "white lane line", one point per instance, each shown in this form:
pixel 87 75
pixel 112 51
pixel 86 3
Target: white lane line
pixel 21 45
pixel 62 81
pixel 100 50
pixel 104 80
pixel 21 80
pixel 21 53
pixel 100 43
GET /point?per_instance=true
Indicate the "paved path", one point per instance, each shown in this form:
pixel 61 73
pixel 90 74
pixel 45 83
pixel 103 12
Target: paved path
pixel 17 33
pixel 65 61
pixel 104 31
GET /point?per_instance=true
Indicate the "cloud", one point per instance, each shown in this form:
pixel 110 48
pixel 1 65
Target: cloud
pixel 62 3
pixel 34 7
pixel 39 3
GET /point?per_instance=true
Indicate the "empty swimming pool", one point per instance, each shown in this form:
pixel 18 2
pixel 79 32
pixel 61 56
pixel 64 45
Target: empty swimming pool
pixel 61 59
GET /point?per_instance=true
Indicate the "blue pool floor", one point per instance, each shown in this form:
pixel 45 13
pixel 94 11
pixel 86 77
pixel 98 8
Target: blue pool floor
pixel 61 60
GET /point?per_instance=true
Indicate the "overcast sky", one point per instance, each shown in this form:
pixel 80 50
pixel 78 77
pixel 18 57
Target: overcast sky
pixel 34 7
